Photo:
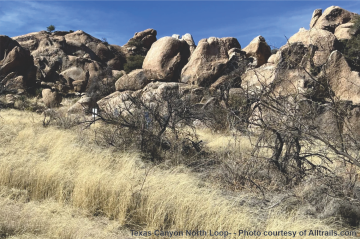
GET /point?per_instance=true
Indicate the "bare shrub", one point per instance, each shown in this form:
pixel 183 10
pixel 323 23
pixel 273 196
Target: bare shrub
pixel 298 133
pixel 61 119
pixel 161 129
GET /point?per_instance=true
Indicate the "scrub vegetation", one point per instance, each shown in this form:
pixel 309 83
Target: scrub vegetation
pixel 56 183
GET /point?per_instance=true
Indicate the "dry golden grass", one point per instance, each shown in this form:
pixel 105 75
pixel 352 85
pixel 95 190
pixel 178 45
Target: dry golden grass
pixel 224 141
pixel 48 219
pixel 61 169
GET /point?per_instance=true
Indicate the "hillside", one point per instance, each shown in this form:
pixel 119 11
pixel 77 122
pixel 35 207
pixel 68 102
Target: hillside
pixel 166 135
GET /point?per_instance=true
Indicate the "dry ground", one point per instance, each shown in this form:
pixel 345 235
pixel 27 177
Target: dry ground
pixel 59 184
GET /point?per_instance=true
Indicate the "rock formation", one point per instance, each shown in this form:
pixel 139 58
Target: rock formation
pixel 258 49
pixel 70 60
pixel 17 70
pixel 140 43
pixel 135 80
pixel 343 31
pixel 165 59
pixel 331 18
pixel 51 98
pixel 208 61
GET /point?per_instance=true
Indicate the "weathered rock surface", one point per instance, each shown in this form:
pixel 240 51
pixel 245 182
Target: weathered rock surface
pixel 165 59
pixel 332 17
pixel 17 70
pixel 140 43
pixel 275 58
pixel 259 49
pixel 343 81
pixel 324 40
pixel 152 94
pixel 70 57
pixel 286 77
pixel 135 80
pixel 84 105
pixel 51 98
pixel 10 99
pixel 235 67
pixel 208 61
pixel 343 31
pixel 316 14
pixel 258 78
pixel 190 41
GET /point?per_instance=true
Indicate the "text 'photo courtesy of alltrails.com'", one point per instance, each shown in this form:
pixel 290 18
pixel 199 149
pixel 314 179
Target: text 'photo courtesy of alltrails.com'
pixel 245 234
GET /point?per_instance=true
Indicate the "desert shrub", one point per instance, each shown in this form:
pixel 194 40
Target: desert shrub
pixel 351 48
pixel 51 28
pixel 101 88
pixel 356 27
pixel 60 119
pixel 161 129
pixel 118 76
pixel 24 102
pixel 274 50
pixel 133 62
pixel 134 42
pixel 104 40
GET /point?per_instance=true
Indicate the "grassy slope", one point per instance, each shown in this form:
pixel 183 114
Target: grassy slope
pixel 57 169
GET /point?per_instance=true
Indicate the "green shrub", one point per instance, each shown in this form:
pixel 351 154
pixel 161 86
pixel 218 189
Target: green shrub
pixel 356 27
pixel 274 50
pixel 351 48
pixel 117 76
pixel 134 42
pixel 133 62
pixel 51 28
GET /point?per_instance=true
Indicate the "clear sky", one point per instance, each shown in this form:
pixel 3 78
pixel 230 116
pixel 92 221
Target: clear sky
pixel 117 21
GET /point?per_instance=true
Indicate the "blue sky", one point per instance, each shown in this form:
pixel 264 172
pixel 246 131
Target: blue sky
pixel 117 21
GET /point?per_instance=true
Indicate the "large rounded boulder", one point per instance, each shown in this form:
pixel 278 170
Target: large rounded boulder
pixel 135 80
pixel 165 59
pixel 208 61
pixel 51 98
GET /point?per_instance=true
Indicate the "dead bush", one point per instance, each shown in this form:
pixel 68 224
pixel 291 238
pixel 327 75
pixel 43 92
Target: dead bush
pixel 161 129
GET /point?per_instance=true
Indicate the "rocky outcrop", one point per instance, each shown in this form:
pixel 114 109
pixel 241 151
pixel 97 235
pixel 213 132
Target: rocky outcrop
pixel 165 59
pixel 235 67
pixel 84 105
pixel 331 18
pixel 135 80
pixel 324 41
pixel 315 17
pixel 188 39
pixel 256 79
pixel 208 61
pixel 117 103
pixel 70 57
pixel 258 49
pixel 343 81
pixel 140 43
pixel 153 94
pixel 275 58
pixel 344 31
pixel 51 98
pixel 284 78
pixel 147 37
pixel 17 70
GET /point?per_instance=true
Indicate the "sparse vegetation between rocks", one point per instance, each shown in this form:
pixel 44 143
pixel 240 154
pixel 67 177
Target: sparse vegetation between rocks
pixel 133 62
pixel 134 137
